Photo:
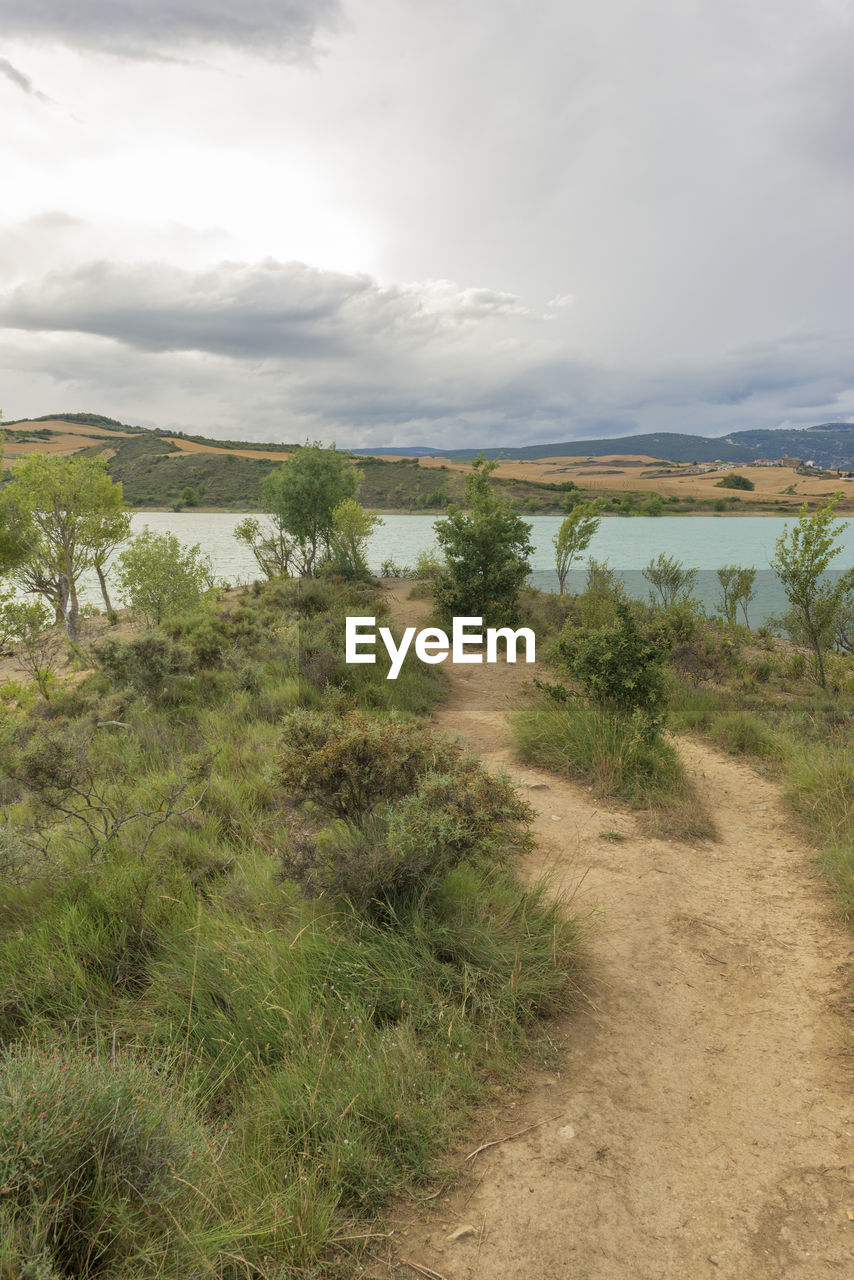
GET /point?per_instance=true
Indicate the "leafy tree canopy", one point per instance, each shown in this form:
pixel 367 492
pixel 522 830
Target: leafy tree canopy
pixel 486 551
pixel 302 495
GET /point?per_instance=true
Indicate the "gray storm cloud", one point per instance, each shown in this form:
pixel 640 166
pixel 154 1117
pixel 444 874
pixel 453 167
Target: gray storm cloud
pixel 157 26
pixel 18 78
pixel 269 309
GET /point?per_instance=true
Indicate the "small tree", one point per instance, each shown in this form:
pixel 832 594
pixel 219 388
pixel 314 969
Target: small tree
pixel 803 555
pixel 69 515
pixel 732 480
pixel 486 550
pixel 271 546
pixel 29 626
pixel 352 525
pixel 669 579
pixel 573 537
pixel 302 494
pixel 618 667
pixel 603 591
pixel 737 590
pixel 110 529
pixel 159 575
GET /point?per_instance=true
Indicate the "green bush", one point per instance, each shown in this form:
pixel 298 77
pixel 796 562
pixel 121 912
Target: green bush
pixel 149 664
pixel 734 481
pixel 349 764
pixel 99 1166
pixel 408 807
pixel 617 667
pixel 159 576
pixel 486 553
pixel 603 591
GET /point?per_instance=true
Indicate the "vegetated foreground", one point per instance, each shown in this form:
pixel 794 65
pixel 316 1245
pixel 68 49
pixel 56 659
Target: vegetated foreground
pixel 262 944
pixel 700 1121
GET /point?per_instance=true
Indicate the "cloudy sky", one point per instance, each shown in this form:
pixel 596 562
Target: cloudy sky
pixel 448 223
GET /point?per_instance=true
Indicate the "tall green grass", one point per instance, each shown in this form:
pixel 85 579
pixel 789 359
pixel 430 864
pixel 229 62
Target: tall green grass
pixel 819 784
pixel 325 1058
pixel 613 755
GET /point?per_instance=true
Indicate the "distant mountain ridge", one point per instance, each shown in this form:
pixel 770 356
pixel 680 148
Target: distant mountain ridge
pixel 830 444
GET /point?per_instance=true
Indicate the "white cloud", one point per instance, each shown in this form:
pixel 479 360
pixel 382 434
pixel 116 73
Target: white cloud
pixel 463 220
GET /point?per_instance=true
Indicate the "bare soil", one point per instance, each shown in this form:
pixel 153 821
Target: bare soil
pixel 699 1121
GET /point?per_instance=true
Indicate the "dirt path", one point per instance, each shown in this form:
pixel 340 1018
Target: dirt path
pixel 701 1121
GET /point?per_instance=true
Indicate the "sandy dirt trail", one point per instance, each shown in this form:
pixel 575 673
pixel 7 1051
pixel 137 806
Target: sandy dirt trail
pixel 700 1122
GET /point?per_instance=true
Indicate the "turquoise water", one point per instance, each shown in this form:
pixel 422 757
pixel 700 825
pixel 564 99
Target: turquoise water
pixel 627 544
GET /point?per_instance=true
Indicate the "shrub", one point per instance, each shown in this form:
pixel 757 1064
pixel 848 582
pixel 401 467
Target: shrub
pixel 734 481
pixel 797 666
pixel 617 666
pixel 669 579
pixel 16 858
pixel 349 764
pixel 30 625
pixel 679 622
pixel 98 1165
pixel 149 664
pixel 391 569
pixel 603 591
pixel 428 564
pixel 159 575
pixel 408 807
pixel 617 757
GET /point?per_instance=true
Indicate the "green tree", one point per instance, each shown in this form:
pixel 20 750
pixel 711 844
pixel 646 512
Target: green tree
pixel 486 552
pixel 69 515
pixel 352 525
pixel 815 601
pixel 27 624
pixel 618 667
pixel 110 529
pixel 302 494
pixel 669 579
pixel 732 480
pixel 159 575
pixel 12 549
pixel 603 591
pixel 653 505
pixel 271 546
pixel 573 537
pixel 737 590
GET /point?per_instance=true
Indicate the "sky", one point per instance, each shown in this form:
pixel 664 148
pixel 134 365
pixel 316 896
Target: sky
pixel 388 222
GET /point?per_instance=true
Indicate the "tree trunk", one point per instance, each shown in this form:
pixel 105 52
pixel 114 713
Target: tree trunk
pixel 69 608
pixel 104 592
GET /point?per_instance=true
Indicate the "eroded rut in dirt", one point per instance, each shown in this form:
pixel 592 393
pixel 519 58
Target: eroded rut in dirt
pixel 701 1120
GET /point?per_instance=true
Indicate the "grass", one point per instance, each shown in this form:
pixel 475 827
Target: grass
pixel 264 1068
pixel 742 733
pixel 610 753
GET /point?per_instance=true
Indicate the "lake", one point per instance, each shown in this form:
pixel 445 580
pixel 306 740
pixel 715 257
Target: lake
pixel 626 544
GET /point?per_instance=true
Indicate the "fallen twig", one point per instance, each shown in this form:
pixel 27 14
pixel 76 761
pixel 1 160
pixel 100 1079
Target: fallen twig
pixel 510 1136
pixel 423 1271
